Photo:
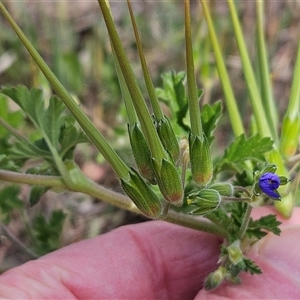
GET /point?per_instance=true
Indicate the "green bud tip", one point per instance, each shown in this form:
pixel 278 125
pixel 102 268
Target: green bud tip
pixel 223 188
pixel 214 279
pixel 200 159
pixel 141 194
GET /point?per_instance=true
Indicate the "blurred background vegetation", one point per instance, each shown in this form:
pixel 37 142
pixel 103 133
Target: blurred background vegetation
pixel 72 38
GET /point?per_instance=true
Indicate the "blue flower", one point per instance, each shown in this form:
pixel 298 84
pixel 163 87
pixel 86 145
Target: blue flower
pixel 269 183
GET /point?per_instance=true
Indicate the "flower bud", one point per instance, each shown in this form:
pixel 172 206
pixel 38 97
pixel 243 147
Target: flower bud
pixel 289 135
pixel 204 201
pixel 200 159
pixel 169 181
pixel 141 153
pixel 224 188
pixel 168 138
pixel 235 253
pixel 141 195
pixel 214 279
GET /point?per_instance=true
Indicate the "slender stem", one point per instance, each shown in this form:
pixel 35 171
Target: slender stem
pixel 131 114
pixel 51 181
pixel 245 222
pixel 17 242
pixel 231 103
pixel 256 103
pixel 266 89
pixel 294 102
pixel 235 199
pixel 149 84
pixel 142 111
pixel 111 197
pixel 99 141
pixel 12 130
pixel 194 108
pixel 195 223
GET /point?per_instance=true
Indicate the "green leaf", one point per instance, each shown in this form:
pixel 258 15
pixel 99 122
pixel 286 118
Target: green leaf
pixel 6 164
pixel 15 119
pixel 58 129
pixel 9 200
pixel 241 149
pixel 48 232
pixel 26 150
pixel 173 94
pixel 70 136
pixel 36 192
pixel 269 223
pixel 251 267
pixel 210 115
pixel 49 120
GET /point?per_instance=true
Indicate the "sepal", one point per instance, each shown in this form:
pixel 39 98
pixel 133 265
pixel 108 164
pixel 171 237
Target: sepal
pixel 167 137
pixel 200 159
pixel 169 181
pixel 141 195
pixel 141 153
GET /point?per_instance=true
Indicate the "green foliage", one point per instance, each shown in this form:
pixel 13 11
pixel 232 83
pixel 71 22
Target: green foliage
pixel 56 126
pixel 9 201
pixel 6 164
pixel 242 149
pixel 210 115
pixel 260 227
pixel 48 232
pixel 173 94
pixel 15 118
pixel 251 266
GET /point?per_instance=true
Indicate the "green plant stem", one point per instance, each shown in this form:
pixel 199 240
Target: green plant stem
pixel 144 116
pixel 195 223
pixel 132 118
pixel 256 103
pixel 17 242
pixel 231 103
pixel 294 101
pixel 111 197
pixel 12 130
pixel 149 84
pixel 245 222
pixel 50 181
pixel 263 64
pixel 194 108
pixel 98 140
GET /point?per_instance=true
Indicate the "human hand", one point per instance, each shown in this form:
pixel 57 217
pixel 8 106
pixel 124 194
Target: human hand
pixel 155 260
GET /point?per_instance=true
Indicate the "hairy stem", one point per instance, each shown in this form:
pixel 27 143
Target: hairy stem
pixel 111 197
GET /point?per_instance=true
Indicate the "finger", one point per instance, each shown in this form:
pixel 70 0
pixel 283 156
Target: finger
pixel 154 260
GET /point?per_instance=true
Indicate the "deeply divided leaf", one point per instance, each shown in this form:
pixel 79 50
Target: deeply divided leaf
pixel 57 127
pixel 210 115
pixel 242 149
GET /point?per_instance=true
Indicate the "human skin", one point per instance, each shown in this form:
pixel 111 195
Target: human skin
pixel 156 260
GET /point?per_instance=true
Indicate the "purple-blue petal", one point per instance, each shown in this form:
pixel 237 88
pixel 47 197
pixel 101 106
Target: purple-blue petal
pixel 268 183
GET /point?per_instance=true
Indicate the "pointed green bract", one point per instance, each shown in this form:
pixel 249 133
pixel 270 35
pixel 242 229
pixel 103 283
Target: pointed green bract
pixel 169 181
pixel 141 195
pixel 200 159
pixel 167 137
pixel 141 153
